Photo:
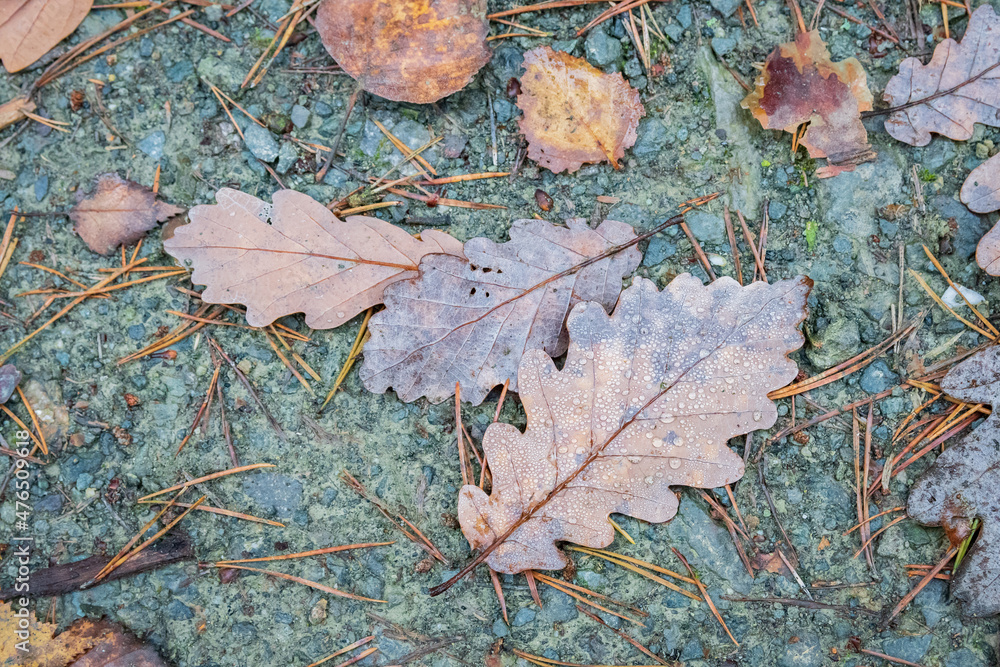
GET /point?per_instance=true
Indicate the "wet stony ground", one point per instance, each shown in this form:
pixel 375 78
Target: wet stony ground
pixel 694 140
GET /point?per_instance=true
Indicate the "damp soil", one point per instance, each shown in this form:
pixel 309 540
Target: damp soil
pixel 115 427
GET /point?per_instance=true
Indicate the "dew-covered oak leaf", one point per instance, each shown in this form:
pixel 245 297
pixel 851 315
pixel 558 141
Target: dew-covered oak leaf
pixel 407 50
pixel 119 212
pixel 964 484
pixel 296 256
pixel 575 114
pixel 471 321
pixel 648 398
pixel 30 28
pixel 981 189
pixel 961 86
pixel 800 84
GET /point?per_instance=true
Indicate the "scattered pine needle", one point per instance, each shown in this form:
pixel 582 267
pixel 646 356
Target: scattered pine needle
pixel 889 658
pixel 704 592
pixel 352 355
pixel 620 530
pixel 299 580
pixel 908 598
pixel 38 443
pixel 221 511
pixel 499 591
pixel 569 590
pixel 357 644
pixel 545 662
pixel 306 554
pixel 34 420
pixel 624 636
pixel 208 478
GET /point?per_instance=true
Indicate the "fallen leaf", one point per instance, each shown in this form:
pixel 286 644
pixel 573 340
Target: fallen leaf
pixel 988 251
pixel 959 86
pixel 981 189
pixel 470 321
pixel 407 50
pixel 30 28
pixel 297 256
pixel 13 111
pixel 647 398
pixel 800 84
pixel 574 113
pixel 119 212
pixel 962 486
pixel 52 415
pixel 9 377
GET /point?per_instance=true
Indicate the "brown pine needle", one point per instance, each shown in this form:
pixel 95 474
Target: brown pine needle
pixel 702 257
pixel 951 311
pixel 621 530
pixel 563 587
pixel 499 591
pixel 545 662
pixel 908 598
pixel 586 591
pixel 306 554
pixel 982 318
pixel 638 570
pixel 434 200
pixel 731 233
pixel 752 242
pixel 360 642
pixel 299 580
pixel 418 162
pixel 160 533
pixel 854 528
pixel 208 478
pixel 359 343
pixel 206 405
pixel 889 658
pixel 878 532
pixel 624 636
pixel 34 420
pixel 65 277
pixel 135 538
pixel 704 592
pixel 367 207
pixel 24 427
pixel 288 364
pixel 533 587
pixel 465 177
pixel 601 553
pixel 221 511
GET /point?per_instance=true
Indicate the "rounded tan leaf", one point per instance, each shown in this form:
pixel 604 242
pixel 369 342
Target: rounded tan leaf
pixel 647 398
pixel 988 251
pixel 574 113
pixel 30 28
pixel 407 50
pixel 981 189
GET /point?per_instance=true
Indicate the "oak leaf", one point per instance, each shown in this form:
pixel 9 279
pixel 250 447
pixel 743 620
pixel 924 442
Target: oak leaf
pixel 988 251
pixel 407 50
pixel 297 256
pixel 800 84
pixel 648 398
pixel 981 189
pixel 29 28
pixel 958 86
pixel 470 321
pixel 120 212
pixel 574 113
pixel 962 486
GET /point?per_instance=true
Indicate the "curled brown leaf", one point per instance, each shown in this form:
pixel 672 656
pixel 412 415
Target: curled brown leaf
pixel 407 50
pixel 120 212
pixel 297 256
pixel 574 113
pixel 648 398
pixel 470 321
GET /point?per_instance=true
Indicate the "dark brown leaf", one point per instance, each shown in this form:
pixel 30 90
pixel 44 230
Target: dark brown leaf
pixel 120 212
pixel 962 485
pixel 574 113
pixel 800 84
pixel 470 321
pixel 407 50
pixel 647 398
pixel 297 256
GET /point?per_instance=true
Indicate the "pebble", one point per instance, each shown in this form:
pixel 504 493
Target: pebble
pixel 41 187
pixel 652 138
pixel 261 143
pixel 723 45
pixel 136 331
pixel 601 49
pixel 178 611
pixel 322 109
pixel 153 144
pixel 877 377
pixel 706 227
pixel 500 628
pixel 907 648
pixel 685 16
pixel 776 210
pixel 726 7
pixel 660 248
pixel 523 617
pixel 299 116
pixel 287 157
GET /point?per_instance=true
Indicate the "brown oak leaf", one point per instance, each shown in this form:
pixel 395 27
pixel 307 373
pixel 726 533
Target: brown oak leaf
pixel 981 189
pixel 407 50
pixel 470 321
pixel 962 486
pixel 297 256
pixel 988 251
pixel 574 113
pixel 120 212
pixel 29 28
pixel 800 84
pixel 648 398
pixel 959 86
